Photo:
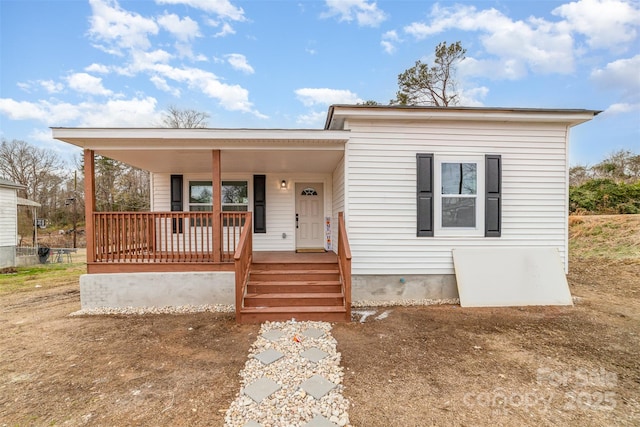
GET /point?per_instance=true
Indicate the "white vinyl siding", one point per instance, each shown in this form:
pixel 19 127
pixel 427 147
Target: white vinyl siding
pixel 381 172
pixel 338 202
pixel 280 204
pixel 8 217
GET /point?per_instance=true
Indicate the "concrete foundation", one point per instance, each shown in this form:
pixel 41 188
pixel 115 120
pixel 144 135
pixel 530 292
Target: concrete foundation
pixel 26 260
pixel 156 289
pixel 409 287
pixel 7 256
pixel 120 290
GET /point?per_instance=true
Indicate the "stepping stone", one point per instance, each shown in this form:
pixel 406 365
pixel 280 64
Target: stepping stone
pixel 320 421
pixel 259 389
pixel 314 354
pixel 273 335
pixel 269 356
pixel 317 386
pixel 252 424
pixel 313 333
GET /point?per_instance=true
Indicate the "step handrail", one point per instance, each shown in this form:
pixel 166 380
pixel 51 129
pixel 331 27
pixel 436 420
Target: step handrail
pixel 344 264
pixel 242 262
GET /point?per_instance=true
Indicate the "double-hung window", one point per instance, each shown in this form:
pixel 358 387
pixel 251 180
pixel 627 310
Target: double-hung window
pixel 459 201
pixel 459 195
pixel 234 196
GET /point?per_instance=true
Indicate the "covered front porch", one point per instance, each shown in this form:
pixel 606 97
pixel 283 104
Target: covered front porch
pixel 182 235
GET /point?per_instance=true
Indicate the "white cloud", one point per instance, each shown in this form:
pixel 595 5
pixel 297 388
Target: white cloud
pixel 97 68
pixel 605 23
pixel 138 112
pixel 623 75
pixel 225 31
pixel 42 135
pixel 535 44
pixel 162 84
pixel 621 108
pixel 25 86
pixel 231 97
pixel 472 97
pixel 183 29
pixel 51 86
pixel 239 62
pixel 86 83
pixel 389 40
pixel 365 13
pixel 325 96
pixel 222 8
pixel 313 118
pixel 118 28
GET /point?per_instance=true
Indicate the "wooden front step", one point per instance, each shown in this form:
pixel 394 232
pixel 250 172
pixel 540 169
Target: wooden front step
pixel 294 275
pixel 300 289
pixel 312 286
pixel 294 299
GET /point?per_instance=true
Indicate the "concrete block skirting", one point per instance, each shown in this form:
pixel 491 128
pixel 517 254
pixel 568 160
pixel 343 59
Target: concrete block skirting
pixel 27 260
pixel 7 256
pixel 156 289
pixel 378 287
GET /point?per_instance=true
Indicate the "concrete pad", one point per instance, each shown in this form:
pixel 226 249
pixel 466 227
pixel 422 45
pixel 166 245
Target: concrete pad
pixel 317 386
pixel 252 423
pixel 313 333
pixel 268 356
pixel 260 389
pixel 314 354
pixel 273 335
pixel 320 421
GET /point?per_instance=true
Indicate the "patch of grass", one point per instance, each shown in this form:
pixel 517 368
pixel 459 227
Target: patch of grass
pixel 41 276
pixel 605 236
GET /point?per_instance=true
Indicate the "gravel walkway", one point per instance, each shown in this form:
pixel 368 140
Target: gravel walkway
pixel 292 378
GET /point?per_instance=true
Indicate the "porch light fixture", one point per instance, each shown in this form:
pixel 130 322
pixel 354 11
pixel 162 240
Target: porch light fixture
pixel 283 184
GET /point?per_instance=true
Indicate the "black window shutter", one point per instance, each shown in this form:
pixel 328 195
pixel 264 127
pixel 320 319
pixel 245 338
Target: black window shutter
pixel 259 204
pixel 493 198
pixel 176 201
pixel 425 194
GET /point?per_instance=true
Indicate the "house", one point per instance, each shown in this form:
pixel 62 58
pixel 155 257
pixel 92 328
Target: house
pixel 244 216
pixel 10 255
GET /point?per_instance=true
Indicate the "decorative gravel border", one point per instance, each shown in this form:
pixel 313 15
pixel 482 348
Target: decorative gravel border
pixel 230 308
pixel 181 309
pixel 291 405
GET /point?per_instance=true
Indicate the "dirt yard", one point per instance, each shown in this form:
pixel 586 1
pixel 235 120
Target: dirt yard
pixel 410 366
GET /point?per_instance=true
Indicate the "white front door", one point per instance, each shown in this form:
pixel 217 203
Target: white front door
pixel 309 216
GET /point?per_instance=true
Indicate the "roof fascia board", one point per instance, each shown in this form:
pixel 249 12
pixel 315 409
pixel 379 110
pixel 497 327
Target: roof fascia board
pixel 83 137
pixel 338 115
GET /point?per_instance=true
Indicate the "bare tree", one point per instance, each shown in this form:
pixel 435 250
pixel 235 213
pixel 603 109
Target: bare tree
pixel 176 117
pixel 38 169
pixel 435 85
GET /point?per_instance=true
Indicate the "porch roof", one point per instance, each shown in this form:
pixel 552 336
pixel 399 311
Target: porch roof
pixel 169 150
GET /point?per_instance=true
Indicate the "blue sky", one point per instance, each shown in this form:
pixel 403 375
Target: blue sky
pixel 280 64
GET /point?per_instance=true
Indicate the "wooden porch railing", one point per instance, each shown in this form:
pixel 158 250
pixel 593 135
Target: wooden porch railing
pixel 344 263
pixel 242 260
pixel 151 237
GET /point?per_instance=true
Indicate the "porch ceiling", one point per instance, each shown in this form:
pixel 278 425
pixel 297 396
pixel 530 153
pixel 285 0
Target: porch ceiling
pixel 242 150
pixel 249 161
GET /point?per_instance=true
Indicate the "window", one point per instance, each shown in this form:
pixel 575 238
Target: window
pixel 234 196
pixel 459 195
pixel 200 196
pixel 458 207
